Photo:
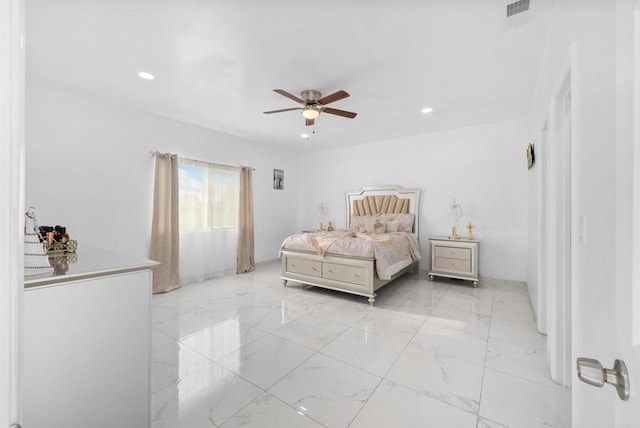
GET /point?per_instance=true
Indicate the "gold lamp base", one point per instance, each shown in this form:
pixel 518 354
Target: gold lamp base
pixel 454 233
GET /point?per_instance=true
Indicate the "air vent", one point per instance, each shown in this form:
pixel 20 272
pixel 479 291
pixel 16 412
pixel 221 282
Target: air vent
pixel 517 7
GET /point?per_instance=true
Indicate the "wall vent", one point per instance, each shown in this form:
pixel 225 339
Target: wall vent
pixel 517 7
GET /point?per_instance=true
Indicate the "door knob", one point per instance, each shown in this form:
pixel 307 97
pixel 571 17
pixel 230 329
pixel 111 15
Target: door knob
pixel 590 371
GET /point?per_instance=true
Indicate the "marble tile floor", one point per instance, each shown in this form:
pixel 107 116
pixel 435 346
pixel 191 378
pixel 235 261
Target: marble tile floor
pixel 243 350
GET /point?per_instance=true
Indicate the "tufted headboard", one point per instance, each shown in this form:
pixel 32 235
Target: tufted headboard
pixel 384 200
pixel 382 204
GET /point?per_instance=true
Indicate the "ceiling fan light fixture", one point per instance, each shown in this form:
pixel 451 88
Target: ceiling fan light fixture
pixel 310 112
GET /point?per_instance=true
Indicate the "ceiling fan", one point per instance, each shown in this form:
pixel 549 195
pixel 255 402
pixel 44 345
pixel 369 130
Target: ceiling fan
pixel 313 103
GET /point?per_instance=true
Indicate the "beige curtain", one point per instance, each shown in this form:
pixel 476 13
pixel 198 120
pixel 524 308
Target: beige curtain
pixel 246 262
pixel 165 226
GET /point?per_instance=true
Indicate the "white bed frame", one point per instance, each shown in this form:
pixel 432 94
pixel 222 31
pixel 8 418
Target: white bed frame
pixel 353 275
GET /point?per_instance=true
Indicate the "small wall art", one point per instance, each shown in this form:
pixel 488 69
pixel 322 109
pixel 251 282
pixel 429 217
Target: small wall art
pixel 531 157
pixel 278 179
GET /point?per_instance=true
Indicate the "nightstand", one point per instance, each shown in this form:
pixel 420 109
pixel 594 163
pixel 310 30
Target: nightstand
pixel 454 258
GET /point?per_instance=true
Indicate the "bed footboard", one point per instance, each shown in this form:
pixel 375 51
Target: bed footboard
pixel 349 274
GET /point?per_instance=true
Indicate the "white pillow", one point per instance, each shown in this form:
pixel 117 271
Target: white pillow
pixel 392 226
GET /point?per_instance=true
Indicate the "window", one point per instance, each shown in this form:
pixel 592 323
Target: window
pixel 209 196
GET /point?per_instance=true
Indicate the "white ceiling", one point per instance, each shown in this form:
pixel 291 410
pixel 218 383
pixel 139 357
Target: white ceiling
pixel 216 62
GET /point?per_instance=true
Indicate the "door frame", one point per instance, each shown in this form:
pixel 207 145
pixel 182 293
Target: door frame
pixel 559 295
pixel 542 152
pixel 12 182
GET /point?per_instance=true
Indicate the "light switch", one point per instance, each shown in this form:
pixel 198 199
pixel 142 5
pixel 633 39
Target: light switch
pixel 582 229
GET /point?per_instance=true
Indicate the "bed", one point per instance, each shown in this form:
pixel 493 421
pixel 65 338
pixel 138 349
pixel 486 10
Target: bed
pixel 379 245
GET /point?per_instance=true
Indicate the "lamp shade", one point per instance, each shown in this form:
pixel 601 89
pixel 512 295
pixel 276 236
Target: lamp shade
pixel 322 210
pixel 455 211
pixel 310 112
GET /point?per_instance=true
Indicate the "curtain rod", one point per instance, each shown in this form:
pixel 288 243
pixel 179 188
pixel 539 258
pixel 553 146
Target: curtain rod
pixel 154 154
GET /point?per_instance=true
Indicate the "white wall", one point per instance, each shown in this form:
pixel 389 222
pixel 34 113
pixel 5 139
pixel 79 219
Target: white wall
pixel 483 167
pixel 88 167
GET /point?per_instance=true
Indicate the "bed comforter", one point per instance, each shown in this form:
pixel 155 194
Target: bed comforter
pixel 392 251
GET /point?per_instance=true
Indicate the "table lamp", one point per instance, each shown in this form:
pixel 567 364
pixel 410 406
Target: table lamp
pixel 321 212
pixel 455 212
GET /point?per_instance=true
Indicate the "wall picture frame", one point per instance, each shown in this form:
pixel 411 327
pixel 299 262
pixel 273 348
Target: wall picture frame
pixel 278 179
pixel 531 157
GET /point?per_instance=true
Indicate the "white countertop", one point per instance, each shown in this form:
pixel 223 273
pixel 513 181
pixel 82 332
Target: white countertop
pixel 88 262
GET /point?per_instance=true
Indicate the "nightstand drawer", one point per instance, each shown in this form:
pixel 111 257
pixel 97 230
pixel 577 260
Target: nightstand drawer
pixel 305 267
pixel 453 264
pixel 453 253
pixel 338 272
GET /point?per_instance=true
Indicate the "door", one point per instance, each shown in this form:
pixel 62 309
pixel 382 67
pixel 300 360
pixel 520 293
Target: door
pixel 606 326
pixel 627 413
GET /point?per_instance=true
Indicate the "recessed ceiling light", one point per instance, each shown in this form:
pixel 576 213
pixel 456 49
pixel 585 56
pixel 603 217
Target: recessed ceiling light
pixel 426 110
pixel 146 76
pixel 304 136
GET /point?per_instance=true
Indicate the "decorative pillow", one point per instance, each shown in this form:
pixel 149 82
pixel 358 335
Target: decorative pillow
pixel 375 227
pixel 356 223
pixel 405 221
pixel 392 226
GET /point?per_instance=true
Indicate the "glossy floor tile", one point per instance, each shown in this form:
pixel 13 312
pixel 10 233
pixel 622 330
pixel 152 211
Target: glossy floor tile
pixel 365 350
pixel 393 405
pixel 269 412
pixel 204 399
pixel 245 351
pixel 448 379
pixel 517 402
pixel 267 360
pixel 328 390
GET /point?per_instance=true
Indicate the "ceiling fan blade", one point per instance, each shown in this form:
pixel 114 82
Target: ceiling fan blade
pixel 288 95
pixel 309 122
pixel 337 112
pixel 281 110
pixel 333 97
